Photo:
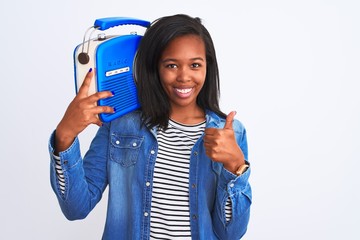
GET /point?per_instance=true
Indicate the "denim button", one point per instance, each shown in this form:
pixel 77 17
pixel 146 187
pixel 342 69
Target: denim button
pixel 152 152
pixel 194 216
pixel 146 214
pixel 117 142
pixel 147 184
pixel 195 153
pixel 231 185
pixel 193 185
pixel 65 161
pixel 134 144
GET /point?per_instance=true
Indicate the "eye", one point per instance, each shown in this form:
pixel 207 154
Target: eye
pixel 171 65
pixel 195 65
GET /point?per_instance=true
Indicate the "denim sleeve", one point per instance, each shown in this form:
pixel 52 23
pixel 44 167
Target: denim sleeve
pixel 85 179
pixel 238 189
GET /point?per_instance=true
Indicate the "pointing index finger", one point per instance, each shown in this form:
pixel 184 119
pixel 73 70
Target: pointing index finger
pixel 84 88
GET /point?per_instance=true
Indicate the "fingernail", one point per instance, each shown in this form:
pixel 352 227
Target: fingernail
pixel 90 70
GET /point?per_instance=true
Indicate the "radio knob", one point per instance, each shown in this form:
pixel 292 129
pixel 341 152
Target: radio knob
pixel 83 58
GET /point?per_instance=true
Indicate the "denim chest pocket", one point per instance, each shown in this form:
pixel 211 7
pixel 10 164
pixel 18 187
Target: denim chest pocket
pixel 125 149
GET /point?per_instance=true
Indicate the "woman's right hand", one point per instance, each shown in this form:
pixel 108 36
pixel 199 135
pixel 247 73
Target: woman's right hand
pixel 81 112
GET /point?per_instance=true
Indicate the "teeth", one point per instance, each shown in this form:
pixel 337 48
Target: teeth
pixel 186 90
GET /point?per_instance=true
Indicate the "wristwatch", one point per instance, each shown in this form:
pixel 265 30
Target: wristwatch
pixel 241 169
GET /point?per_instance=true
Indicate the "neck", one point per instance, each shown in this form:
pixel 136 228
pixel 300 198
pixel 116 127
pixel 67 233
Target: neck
pixel 187 116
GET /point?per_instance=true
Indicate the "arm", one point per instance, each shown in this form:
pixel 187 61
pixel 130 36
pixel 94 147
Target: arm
pixel 229 147
pixel 239 191
pixel 85 180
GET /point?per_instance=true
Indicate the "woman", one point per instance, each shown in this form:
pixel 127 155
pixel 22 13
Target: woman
pixel 177 168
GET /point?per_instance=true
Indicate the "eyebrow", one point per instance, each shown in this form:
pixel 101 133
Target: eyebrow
pixel 174 60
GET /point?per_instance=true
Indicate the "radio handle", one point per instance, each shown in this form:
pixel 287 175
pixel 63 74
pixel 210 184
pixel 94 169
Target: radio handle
pixel 105 23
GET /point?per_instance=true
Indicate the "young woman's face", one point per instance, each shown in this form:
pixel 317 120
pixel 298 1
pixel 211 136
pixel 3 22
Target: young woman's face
pixel 182 70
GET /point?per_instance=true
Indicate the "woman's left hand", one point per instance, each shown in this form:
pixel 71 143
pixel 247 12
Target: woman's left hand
pixel 221 146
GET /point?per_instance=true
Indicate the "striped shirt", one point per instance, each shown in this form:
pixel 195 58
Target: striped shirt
pixel 170 213
pixel 59 174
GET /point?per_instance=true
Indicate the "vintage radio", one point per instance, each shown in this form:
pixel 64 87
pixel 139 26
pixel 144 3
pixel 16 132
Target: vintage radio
pixel 111 57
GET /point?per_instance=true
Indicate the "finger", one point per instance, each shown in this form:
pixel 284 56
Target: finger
pixel 98 122
pixel 100 95
pixel 103 109
pixel 84 88
pixel 229 120
pixel 211 131
pixel 94 120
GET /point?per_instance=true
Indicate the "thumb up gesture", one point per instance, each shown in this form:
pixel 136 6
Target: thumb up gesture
pixel 221 146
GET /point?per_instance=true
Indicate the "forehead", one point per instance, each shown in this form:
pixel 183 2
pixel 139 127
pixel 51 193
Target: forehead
pixel 187 46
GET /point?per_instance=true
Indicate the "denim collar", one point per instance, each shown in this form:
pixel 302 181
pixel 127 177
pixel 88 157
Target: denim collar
pixel 212 121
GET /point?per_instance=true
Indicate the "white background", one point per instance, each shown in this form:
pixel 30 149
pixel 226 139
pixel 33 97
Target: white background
pixel 289 68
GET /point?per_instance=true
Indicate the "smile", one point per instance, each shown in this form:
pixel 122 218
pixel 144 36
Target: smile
pixel 183 90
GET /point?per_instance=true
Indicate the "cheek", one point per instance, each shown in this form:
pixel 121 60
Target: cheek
pixel 201 78
pixel 165 83
pixel 162 77
pixel 165 76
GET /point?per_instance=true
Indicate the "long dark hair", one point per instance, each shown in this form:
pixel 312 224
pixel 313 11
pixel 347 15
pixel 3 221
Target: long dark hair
pixel 154 102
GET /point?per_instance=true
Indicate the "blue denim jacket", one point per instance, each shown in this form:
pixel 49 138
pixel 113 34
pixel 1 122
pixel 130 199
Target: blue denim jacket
pixel 122 156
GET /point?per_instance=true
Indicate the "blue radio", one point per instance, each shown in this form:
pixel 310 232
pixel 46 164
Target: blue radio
pixel 112 59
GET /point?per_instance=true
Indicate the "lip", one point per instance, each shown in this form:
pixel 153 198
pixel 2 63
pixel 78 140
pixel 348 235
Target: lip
pixel 183 92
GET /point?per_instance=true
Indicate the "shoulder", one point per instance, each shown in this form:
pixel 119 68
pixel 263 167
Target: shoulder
pixel 238 126
pixel 131 116
pixel 214 120
pixel 130 120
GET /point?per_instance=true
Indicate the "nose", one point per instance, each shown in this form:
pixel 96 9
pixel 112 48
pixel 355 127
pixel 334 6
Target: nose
pixel 184 74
